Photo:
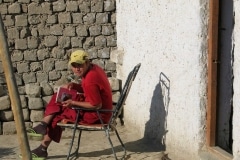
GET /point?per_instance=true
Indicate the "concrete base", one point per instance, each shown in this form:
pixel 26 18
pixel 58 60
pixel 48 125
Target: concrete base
pixel 215 153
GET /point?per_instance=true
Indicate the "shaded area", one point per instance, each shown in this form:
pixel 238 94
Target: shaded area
pixel 6 152
pixel 225 76
pixel 133 148
pixel 95 145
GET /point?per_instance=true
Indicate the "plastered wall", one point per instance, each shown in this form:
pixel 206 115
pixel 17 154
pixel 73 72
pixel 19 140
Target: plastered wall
pixel 236 84
pixel 167 102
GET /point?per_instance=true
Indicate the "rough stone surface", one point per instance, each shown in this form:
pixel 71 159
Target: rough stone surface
pixel 35 103
pixel 9 128
pixel 5 102
pixel 26 114
pixel 6 115
pixel 23 101
pixel 41 35
pixel 114 82
pixel 46 89
pixel 36 115
pixel 33 90
pixel 1 90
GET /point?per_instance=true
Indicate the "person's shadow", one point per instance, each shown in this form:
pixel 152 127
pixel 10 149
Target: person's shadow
pixel 156 127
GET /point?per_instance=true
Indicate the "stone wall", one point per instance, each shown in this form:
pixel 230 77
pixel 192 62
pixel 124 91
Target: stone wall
pixel 41 35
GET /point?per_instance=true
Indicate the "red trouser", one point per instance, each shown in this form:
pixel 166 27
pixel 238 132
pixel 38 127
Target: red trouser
pixel 59 112
pixel 54 131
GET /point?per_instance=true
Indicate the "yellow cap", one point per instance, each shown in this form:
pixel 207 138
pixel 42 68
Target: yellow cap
pixel 78 56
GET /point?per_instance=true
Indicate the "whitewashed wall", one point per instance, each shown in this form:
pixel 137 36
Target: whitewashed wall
pixel 236 84
pixel 169 39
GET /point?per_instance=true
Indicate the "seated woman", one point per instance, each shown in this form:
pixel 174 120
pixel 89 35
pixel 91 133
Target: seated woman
pixel 97 94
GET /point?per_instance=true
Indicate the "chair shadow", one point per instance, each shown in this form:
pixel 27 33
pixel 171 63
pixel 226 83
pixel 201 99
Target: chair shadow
pixel 155 128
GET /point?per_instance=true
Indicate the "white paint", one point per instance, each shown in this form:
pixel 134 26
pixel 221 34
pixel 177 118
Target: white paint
pixel 167 37
pixel 236 84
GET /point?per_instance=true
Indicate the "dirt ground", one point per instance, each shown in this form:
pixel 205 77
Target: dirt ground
pixel 94 146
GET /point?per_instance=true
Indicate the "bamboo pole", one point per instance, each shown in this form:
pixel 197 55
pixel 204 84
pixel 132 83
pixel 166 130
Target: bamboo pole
pixel 14 95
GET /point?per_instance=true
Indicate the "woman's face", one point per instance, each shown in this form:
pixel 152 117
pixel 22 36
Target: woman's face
pixel 80 69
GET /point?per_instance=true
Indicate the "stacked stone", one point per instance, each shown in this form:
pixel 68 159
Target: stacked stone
pixel 41 34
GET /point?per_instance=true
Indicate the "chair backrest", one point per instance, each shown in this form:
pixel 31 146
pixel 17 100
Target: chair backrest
pixel 125 91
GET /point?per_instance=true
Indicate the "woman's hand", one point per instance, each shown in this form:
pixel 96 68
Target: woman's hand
pixel 67 103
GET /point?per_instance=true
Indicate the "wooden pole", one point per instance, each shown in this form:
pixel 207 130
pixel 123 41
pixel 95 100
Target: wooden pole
pixel 14 95
pixel 212 71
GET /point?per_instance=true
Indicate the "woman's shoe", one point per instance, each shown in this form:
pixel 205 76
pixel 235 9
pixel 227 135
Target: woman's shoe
pixel 36 157
pixel 37 133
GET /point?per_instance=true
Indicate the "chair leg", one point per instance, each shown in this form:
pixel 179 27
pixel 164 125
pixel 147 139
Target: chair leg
pixel 110 141
pixel 123 146
pixel 78 145
pixel 71 144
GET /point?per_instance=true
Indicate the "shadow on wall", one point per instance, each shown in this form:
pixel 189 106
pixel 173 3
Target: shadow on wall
pixel 156 127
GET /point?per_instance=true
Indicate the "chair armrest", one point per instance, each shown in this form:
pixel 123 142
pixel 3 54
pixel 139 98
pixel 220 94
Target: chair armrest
pixel 85 109
pixel 98 111
pixel 92 109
